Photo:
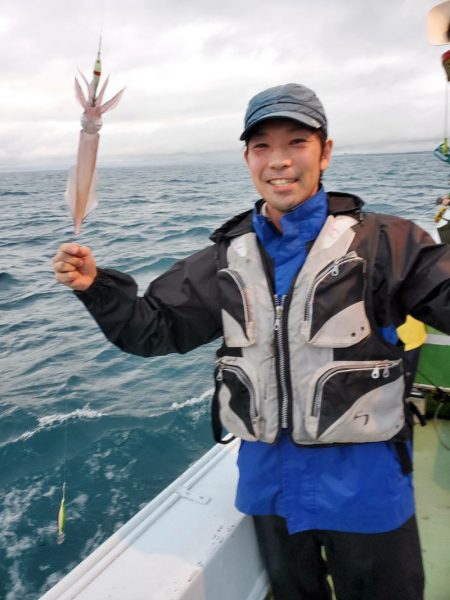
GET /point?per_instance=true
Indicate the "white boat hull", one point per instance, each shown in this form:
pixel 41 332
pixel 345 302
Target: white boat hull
pixel 189 543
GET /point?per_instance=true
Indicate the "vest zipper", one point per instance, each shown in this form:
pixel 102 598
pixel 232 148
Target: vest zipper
pixel 240 284
pixel 332 270
pixel 280 334
pixel 280 342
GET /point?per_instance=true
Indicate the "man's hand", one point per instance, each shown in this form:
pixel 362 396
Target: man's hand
pixel 74 266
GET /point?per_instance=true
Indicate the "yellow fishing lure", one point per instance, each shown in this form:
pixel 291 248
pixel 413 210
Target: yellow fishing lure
pixel 62 516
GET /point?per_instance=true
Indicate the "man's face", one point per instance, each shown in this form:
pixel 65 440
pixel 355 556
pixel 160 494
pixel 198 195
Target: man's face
pixel 285 160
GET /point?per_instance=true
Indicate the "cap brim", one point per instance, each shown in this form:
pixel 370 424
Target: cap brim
pixel 294 116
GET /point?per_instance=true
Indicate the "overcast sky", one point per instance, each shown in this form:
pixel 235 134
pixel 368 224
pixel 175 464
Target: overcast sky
pixel 190 67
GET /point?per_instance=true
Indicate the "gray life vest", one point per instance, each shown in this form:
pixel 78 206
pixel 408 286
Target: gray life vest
pixel 313 362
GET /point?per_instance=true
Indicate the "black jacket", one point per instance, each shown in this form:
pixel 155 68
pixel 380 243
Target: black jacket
pixel 180 309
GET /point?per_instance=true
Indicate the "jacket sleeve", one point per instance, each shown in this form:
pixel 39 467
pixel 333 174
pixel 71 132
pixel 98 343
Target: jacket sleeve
pixel 412 275
pixel 178 312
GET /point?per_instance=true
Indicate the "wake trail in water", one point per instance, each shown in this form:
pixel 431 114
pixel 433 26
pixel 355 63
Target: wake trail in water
pixel 56 419
pixel 193 401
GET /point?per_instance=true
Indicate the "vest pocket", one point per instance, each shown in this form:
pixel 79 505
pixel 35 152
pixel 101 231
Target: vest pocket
pixel 334 314
pixel 236 398
pixel 356 402
pixel 236 305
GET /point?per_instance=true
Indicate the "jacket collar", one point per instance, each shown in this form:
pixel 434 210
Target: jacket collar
pixel 339 203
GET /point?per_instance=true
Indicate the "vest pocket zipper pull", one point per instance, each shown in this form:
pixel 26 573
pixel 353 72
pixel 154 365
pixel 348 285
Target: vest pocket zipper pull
pixel 335 271
pixel 383 368
pixel 375 373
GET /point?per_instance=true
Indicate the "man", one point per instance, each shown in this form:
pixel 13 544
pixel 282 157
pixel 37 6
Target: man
pixel 306 290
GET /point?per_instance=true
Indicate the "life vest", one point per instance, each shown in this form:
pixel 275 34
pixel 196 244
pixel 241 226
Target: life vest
pixel 314 361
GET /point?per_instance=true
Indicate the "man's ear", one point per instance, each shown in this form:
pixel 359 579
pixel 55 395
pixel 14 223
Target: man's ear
pixel 326 154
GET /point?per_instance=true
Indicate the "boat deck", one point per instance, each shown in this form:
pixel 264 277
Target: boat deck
pixel 432 485
pixel 432 488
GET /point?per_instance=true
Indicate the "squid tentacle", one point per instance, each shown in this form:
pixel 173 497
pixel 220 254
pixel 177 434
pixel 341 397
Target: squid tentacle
pixel 110 104
pixel 80 95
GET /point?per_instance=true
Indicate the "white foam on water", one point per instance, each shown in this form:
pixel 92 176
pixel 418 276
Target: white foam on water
pixel 79 413
pixel 193 401
pixel 77 506
pixel 93 542
pixel 20 546
pixel 13 503
pixel 96 461
pixel 49 420
pixel 117 500
pixel 18 589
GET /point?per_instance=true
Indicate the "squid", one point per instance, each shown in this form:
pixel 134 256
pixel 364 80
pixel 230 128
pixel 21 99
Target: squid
pixel 80 192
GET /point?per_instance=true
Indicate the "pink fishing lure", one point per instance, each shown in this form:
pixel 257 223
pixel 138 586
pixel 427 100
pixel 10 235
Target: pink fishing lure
pixel 80 191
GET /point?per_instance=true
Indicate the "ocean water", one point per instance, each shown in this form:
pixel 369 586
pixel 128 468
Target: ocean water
pixel 120 427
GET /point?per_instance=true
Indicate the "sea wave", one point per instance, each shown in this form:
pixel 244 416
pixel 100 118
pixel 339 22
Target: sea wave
pixel 56 419
pixel 26 300
pixel 8 282
pixel 20 193
pixel 204 232
pixel 193 401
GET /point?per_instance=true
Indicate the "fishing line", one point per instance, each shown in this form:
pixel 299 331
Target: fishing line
pixel 80 191
pixel 62 505
pixel 61 519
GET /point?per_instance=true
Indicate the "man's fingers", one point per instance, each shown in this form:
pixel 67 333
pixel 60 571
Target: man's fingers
pixel 74 266
pixel 75 250
pixel 66 278
pixel 61 258
pixel 70 248
pixel 84 251
pixel 64 266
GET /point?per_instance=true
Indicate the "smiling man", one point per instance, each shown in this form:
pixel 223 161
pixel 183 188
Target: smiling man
pixel 285 160
pixel 305 290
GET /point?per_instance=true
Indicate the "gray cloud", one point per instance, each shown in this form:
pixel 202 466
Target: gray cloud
pixel 190 68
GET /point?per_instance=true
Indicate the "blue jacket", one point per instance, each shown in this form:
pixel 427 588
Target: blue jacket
pixel 358 488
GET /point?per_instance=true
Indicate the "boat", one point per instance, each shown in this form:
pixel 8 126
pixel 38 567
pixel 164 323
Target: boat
pixel 442 152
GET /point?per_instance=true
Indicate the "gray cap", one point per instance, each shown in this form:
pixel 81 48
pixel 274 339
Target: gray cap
pixel 289 101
